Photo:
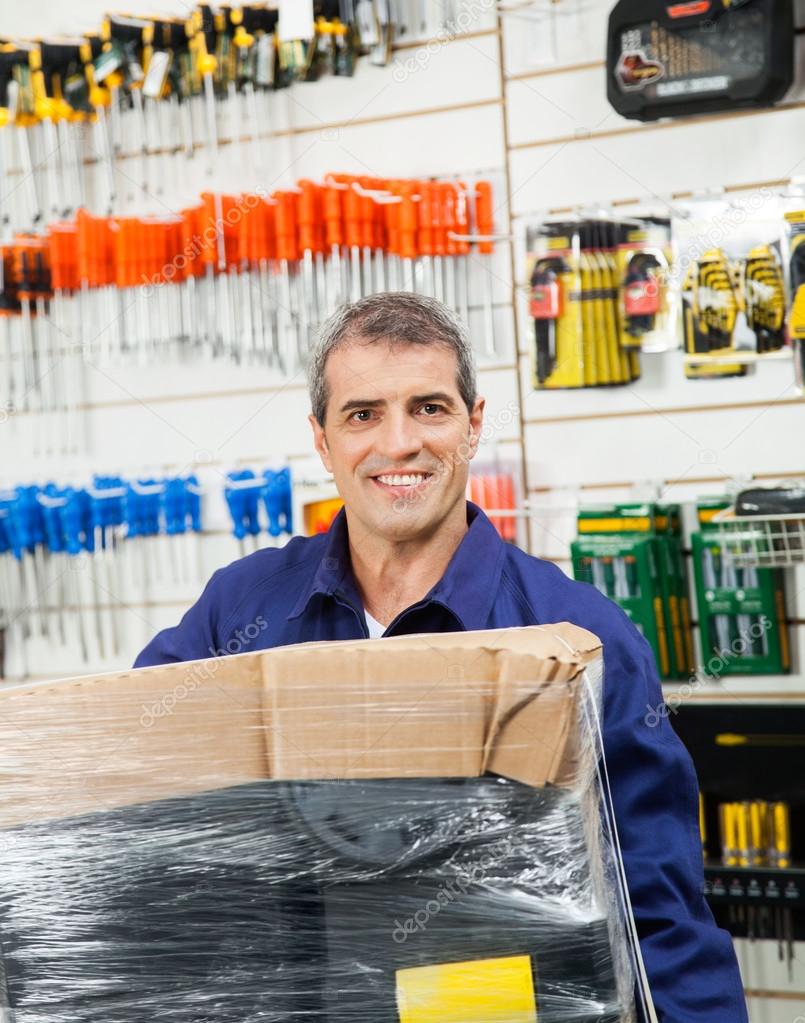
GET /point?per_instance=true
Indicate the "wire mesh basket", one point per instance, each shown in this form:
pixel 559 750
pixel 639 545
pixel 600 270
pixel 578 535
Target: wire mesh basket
pixel 763 541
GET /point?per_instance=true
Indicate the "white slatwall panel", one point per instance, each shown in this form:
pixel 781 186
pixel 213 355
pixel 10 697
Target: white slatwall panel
pixel 560 105
pixel 726 441
pixel 578 36
pixel 777 1010
pixel 659 159
pixel 419 78
pixel 762 970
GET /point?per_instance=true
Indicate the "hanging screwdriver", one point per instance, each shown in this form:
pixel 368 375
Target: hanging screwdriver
pixel 10 324
pixel 247 277
pixel 485 227
pixel 462 249
pixel 99 99
pixel 408 242
pixel 334 239
pixel 447 194
pixel 289 308
pixel 390 208
pixel 26 294
pixel 46 113
pixel 308 215
pixel 353 235
pixel 267 257
pixel 60 62
pixel 63 249
pixel 17 113
pixel 242 495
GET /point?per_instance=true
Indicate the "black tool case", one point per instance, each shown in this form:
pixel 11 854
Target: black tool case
pixel 299 901
pixel 668 59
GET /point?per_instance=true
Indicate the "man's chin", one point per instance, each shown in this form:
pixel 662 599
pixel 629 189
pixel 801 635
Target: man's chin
pixel 405 522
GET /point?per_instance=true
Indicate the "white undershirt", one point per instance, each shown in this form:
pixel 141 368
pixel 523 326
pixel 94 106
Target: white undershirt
pixel 376 630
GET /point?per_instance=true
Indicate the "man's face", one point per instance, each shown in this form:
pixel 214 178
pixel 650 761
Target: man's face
pixel 397 436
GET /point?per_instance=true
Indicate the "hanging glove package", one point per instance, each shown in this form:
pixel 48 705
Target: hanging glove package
pixel 337 832
pixel 698 56
pixel 732 283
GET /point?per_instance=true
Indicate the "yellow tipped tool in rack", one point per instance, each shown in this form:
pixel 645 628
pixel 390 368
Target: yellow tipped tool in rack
pixel 711 303
pixel 764 298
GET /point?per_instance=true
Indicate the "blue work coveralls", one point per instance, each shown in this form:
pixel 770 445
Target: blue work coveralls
pixel 306 591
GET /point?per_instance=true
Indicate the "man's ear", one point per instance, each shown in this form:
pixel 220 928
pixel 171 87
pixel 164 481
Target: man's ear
pixel 320 442
pixel 476 425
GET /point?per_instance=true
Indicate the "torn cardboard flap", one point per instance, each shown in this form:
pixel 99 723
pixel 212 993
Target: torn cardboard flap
pixel 436 705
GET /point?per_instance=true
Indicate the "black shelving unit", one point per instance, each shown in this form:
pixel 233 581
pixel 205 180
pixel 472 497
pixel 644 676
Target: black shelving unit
pixel 751 902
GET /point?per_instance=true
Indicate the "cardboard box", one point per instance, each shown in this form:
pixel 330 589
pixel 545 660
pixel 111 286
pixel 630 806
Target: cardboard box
pixel 447 705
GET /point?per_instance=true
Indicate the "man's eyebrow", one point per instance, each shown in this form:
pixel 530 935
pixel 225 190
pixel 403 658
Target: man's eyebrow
pixel 358 403
pixel 442 396
pixel 416 399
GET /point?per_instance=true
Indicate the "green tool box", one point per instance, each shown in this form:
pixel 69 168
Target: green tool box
pixel 742 613
pixel 632 553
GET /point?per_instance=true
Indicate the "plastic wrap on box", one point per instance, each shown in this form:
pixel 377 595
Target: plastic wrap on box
pixel 407 830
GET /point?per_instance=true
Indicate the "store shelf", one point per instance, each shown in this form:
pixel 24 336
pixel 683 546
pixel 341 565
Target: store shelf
pixel 766 885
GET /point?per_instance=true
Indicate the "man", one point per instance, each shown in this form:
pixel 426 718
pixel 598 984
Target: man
pixel 396 420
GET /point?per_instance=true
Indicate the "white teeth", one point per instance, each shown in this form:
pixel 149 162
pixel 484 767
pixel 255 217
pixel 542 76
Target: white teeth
pixel 407 480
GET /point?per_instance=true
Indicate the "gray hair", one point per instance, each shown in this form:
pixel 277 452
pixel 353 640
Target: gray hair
pixel 397 317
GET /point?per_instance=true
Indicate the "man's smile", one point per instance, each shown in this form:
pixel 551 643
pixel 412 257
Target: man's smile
pixel 401 484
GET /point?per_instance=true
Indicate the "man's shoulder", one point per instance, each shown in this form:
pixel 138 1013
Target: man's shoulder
pixel 554 597
pixel 298 552
pixel 281 570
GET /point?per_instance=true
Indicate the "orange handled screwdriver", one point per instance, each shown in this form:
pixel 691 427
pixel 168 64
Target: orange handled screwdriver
pixel 287 254
pixel 307 225
pixel 425 240
pixel 367 216
pixel 379 236
pixel 191 246
pixel 447 194
pixel 391 214
pixel 269 281
pixel 319 253
pixel 462 252
pixel 63 244
pixel 484 223
pixel 353 236
pixel 334 240
pixel 408 232
pixel 212 250
pixel 439 240
pixel 251 232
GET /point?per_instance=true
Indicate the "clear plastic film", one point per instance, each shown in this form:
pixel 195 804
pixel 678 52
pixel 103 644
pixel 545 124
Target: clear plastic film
pixel 409 830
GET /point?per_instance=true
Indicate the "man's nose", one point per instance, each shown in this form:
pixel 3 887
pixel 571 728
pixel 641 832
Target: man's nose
pixel 400 437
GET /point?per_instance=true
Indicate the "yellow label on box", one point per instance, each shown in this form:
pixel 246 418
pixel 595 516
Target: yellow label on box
pixel 476 991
